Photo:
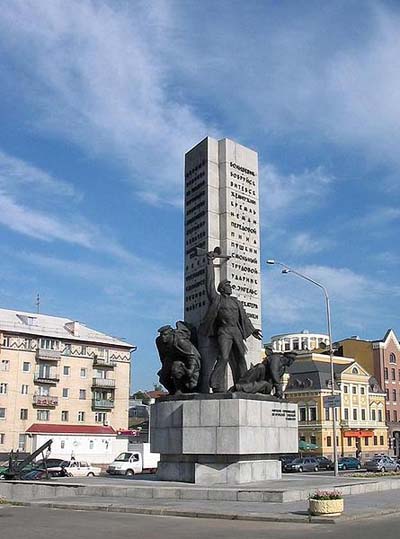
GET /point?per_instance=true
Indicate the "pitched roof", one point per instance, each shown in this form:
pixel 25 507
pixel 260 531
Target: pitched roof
pixel 48 428
pixel 54 326
pixel 313 375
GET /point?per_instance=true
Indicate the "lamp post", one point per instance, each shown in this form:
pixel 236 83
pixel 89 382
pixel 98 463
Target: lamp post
pixel 287 269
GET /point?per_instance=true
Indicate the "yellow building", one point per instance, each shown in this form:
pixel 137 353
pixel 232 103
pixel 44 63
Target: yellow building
pixel 360 421
pixel 58 376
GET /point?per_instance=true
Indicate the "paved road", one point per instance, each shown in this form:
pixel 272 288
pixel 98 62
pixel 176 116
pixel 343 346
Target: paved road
pixel 37 523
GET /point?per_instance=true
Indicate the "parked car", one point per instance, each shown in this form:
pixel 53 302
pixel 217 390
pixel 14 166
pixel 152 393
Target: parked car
pixel 75 468
pixel 286 460
pixel 36 475
pixel 49 463
pixel 4 469
pixel 306 464
pixel 349 463
pixel 382 463
pixel 324 463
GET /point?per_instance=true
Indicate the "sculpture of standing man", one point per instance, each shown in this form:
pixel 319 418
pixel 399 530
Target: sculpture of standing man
pixel 227 322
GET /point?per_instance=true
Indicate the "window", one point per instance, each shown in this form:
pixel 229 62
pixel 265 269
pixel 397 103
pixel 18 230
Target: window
pixel 395 416
pixel 326 414
pixel 66 370
pixel 100 417
pixel 393 374
pixel 355 414
pixel 24 389
pixel 349 441
pixel 392 358
pixel 82 394
pixel 64 415
pixel 313 440
pixel 329 441
pixel 302 414
pixel 91 444
pixel 3 388
pixel 354 390
pixel 65 392
pixel 345 389
pixel 366 441
pixel 387 415
pixel 23 414
pixel 83 373
pixel 2 438
pixel 49 344
pixel 363 414
pixel 375 440
pixel 62 444
pixel 5 365
pixel 380 415
pixel 313 413
pixel 387 395
pixel 67 349
pixel 28 343
pixel 84 350
pixel 43 415
pixel 381 440
pixel 81 416
pixel 22 442
pixel 386 373
pixel 26 366
pixel 373 414
pixel 2 413
pixel 346 414
pixel 362 390
pixel 302 438
pixel 6 341
pixel 355 370
pixel 394 395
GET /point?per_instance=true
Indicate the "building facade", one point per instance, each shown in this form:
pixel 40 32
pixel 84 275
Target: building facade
pixel 222 210
pixel 288 342
pixel 382 359
pixel 360 421
pixel 58 372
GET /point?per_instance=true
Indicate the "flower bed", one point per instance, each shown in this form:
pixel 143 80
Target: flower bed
pixel 326 502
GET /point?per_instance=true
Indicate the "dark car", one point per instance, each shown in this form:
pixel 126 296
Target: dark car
pixel 306 464
pixel 324 463
pixel 349 463
pixel 286 460
pixel 36 475
pixel 52 465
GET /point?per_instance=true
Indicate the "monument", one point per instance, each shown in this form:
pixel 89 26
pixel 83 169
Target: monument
pixel 234 434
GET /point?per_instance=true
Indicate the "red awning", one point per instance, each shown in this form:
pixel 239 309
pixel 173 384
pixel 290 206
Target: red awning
pixel 40 428
pixel 358 434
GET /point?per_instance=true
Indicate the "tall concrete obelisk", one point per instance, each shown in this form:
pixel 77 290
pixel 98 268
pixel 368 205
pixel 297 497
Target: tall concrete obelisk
pixel 222 209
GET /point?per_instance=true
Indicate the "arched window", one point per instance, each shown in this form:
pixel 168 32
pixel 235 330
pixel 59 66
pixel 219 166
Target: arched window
pixel 392 358
pixel 355 370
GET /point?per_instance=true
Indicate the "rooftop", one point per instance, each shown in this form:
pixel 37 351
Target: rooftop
pixel 43 325
pixel 48 428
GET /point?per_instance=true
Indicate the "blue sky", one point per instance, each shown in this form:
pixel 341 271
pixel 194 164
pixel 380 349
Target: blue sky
pixel 99 102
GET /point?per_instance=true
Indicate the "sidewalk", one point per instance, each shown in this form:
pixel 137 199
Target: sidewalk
pixel 356 507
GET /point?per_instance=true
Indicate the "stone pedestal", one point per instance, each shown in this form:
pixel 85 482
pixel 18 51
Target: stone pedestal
pixel 229 438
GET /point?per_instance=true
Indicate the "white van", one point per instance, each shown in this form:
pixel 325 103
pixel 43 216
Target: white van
pixel 133 462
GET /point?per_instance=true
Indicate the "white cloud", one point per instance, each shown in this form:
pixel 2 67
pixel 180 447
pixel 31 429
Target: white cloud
pixel 285 194
pixel 357 300
pixel 303 243
pixel 100 83
pixel 16 174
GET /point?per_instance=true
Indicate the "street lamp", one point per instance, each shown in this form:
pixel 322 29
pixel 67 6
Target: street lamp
pixel 287 269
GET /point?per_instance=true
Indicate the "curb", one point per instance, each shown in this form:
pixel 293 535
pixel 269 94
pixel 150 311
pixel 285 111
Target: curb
pixel 255 517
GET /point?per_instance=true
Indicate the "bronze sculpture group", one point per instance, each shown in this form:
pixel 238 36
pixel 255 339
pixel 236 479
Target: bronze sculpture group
pixel 227 324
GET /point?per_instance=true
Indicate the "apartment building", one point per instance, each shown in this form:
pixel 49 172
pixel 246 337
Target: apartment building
pixel 62 379
pixel 360 421
pixel 381 358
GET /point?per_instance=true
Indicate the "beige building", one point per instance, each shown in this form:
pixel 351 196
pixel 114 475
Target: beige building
pixel 57 374
pixel 360 421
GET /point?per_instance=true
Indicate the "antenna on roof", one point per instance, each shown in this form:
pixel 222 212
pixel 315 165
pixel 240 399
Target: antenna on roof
pixel 38 303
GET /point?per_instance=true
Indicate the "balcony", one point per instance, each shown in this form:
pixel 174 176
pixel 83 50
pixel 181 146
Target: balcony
pixel 360 424
pixel 102 404
pixel 102 362
pixel 49 401
pixel 48 355
pixel 107 383
pixel 46 377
